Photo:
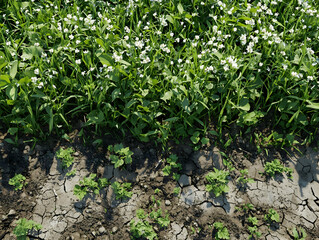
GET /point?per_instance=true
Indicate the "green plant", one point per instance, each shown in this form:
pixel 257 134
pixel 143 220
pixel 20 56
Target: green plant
pixel 177 190
pixel 172 165
pixel 221 232
pixel 89 184
pixel 299 233
pixel 275 166
pixel 18 181
pixel 24 226
pixel 245 207
pixel 162 221
pixel 122 155
pixel 272 216
pixel 254 233
pixel 71 173
pixel 217 182
pixel 244 179
pixel 142 230
pixel 122 191
pixel 65 155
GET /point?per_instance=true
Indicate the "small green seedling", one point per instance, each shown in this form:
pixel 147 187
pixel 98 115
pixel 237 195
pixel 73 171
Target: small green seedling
pixel 299 234
pixel 177 190
pixel 217 182
pixel 272 216
pixel 18 181
pixel 162 221
pixel 89 184
pixel 274 167
pixel 172 165
pixel 24 226
pixel 142 230
pixel 71 173
pixel 253 228
pixel 244 179
pixel 245 208
pixel 121 155
pixel 221 231
pixel 65 155
pixel 122 191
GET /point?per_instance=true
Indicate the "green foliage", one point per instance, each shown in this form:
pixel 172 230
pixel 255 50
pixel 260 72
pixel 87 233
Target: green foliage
pixel 221 231
pixel 122 190
pixel 142 230
pixel 177 190
pixel 244 179
pixel 162 221
pixel 272 216
pixel 172 165
pixel 122 155
pixel 71 173
pixel 65 155
pixel 254 233
pixel 18 181
pixel 299 233
pixel 245 208
pixel 88 185
pixel 24 226
pixel 217 182
pixel 274 167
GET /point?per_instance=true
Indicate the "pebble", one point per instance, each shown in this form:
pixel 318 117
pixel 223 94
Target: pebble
pixel 167 202
pixel 12 212
pixel 114 229
pixel 102 230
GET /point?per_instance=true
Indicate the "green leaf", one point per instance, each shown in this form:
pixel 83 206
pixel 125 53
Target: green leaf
pixel 180 8
pixel 116 93
pixel 13 69
pixel 313 105
pixel 106 59
pixel 12 92
pixel 185 105
pixel 4 80
pixel 167 96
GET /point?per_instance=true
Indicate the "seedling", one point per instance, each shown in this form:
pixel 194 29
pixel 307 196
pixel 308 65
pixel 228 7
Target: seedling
pixel 272 216
pixel 299 233
pixel 172 165
pixel 254 233
pixel 71 173
pixel 24 226
pixel 177 190
pixel 65 155
pixel 244 179
pixel 221 231
pixel 121 155
pixel 142 229
pixel 245 208
pixel 89 185
pixel 18 181
pixel 122 191
pixel 217 182
pixel 274 167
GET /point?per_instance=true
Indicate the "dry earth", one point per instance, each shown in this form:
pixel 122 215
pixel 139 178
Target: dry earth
pixel 48 198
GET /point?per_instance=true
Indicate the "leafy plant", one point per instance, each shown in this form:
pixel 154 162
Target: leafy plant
pixel 272 216
pixel 18 181
pixel 122 191
pixel 244 179
pixel 65 155
pixel 163 221
pixel 217 182
pixel 177 190
pixel 142 229
pixel 275 166
pixel 89 185
pixel 221 231
pixel 121 155
pixel 172 165
pixel 24 226
pixel 254 233
pixel 71 173
pixel 245 207
pixel 299 233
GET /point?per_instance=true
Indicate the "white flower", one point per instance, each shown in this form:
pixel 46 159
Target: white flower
pixel 78 61
pixel 179 60
pixel 36 71
pixel 71 37
pixel 8 43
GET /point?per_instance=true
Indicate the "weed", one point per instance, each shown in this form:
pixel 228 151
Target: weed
pixel 142 229
pixel 172 165
pixel 274 167
pixel 244 179
pixel 24 226
pixel 122 190
pixel 121 155
pixel 299 233
pixel 71 173
pixel 65 155
pixel 272 216
pixel 217 182
pixel 18 181
pixel 221 232
pixel 89 184
pixel 177 191
pixel 245 208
